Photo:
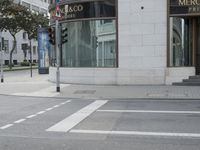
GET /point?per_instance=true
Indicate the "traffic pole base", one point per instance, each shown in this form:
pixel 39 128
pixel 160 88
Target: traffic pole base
pixel 57 89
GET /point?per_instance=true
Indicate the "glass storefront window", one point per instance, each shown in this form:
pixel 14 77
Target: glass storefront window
pixel 90 44
pixel 180 42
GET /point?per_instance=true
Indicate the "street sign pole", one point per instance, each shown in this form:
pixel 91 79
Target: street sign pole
pixel 57 57
pixel 57 41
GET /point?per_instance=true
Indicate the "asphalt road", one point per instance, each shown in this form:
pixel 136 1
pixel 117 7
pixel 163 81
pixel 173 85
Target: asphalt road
pixel 29 123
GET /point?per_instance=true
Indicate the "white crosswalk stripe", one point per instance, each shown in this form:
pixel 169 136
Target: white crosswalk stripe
pixel 71 121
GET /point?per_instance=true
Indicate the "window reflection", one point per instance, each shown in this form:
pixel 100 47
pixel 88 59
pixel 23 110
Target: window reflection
pixel 90 44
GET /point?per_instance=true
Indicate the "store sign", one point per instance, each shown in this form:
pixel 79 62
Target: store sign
pixel 94 9
pixel 184 7
pixel 73 9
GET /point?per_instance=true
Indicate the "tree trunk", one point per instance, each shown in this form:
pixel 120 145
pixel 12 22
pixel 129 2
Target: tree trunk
pixel 12 50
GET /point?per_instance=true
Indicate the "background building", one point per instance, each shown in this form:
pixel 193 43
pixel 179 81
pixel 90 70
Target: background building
pixel 18 55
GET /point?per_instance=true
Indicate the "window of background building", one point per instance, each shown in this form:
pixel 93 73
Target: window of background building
pixel 24 35
pixel 89 44
pixel 6 46
pixel 15 62
pixel 180 42
pixel 52 1
pixel 6 62
pixel 34 50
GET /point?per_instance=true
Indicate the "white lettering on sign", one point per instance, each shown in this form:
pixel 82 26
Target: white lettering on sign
pixel 73 9
pixel 188 2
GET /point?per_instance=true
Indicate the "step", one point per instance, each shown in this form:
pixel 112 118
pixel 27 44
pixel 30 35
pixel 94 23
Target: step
pixel 186 84
pixel 192 80
pixel 194 77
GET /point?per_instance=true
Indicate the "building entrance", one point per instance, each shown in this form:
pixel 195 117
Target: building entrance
pixel 197 62
pixel 185 42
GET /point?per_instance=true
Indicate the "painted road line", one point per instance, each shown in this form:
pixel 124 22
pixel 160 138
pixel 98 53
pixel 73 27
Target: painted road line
pixel 41 112
pixel 162 134
pixel 19 121
pixel 31 116
pixel 65 102
pixel 150 111
pixel 56 106
pixel 71 121
pixel 6 126
pixel 48 109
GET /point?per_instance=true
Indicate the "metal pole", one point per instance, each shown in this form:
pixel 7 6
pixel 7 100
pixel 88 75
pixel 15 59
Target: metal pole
pixel 1 49
pixel 2 80
pixel 57 58
pixel 31 58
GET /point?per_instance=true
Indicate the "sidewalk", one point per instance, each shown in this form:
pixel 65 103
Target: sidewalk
pixel 23 85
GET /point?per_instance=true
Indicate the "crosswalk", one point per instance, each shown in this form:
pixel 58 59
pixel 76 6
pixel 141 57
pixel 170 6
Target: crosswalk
pixel 71 121
pixel 69 124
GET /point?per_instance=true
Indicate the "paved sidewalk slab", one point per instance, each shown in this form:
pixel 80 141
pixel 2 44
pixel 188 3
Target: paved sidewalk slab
pixel 20 83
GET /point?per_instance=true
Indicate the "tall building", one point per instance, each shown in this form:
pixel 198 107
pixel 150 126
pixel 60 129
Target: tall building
pixel 22 38
pixel 128 41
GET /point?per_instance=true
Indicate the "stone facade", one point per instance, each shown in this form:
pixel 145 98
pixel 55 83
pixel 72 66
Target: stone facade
pixel 142 49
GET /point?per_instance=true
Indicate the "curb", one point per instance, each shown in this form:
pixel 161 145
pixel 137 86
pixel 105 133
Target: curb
pixel 16 69
pixel 113 99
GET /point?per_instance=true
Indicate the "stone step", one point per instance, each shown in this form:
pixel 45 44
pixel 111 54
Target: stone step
pixel 186 83
pixel 194 77
pixel 192 80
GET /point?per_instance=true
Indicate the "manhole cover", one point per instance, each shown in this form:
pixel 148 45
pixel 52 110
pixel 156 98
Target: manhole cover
pixel 84 92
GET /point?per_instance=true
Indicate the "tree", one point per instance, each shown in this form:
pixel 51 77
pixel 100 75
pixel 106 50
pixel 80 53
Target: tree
pixel 34 21
pixel 12 17
pixel 15 17
pixel 31 24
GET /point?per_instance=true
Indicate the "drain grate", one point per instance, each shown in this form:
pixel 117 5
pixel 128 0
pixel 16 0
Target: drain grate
pixel 85 92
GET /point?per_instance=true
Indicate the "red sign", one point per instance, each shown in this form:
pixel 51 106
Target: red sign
pixel 57 14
